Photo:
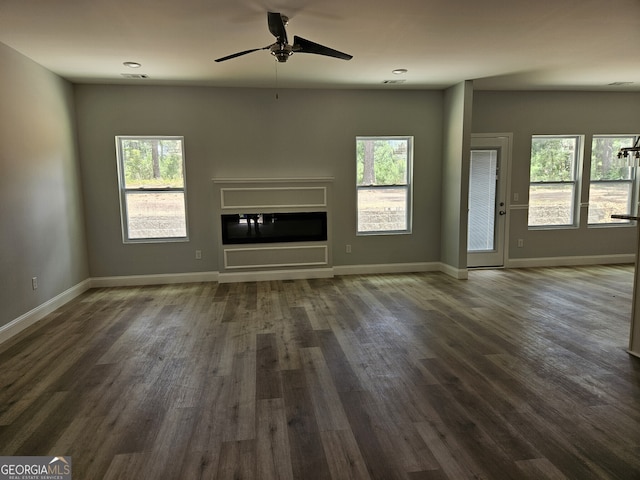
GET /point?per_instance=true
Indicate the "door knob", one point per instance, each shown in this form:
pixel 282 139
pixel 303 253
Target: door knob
pixel 502 212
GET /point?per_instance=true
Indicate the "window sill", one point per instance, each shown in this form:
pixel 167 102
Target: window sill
pixel 378 234
pixel 611 225
pixel 156 240
pixel 553 227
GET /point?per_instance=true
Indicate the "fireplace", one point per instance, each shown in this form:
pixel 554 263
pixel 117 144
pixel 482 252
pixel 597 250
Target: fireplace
pixel 274 227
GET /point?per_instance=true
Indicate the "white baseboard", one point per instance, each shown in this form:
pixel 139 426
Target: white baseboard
pixel 268 275
pixel 457 273
pixel 159 279
pixel 570 261
pixel 18 324
pixel 388 268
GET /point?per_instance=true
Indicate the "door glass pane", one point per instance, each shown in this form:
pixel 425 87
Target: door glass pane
pixel 482 200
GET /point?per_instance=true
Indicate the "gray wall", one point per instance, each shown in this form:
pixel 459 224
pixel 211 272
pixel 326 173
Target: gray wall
pixel 41 216
pixel 455 178
pixel 250 133
pixel 536 113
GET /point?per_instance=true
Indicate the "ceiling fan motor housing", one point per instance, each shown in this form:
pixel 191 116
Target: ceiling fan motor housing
pixel 281 51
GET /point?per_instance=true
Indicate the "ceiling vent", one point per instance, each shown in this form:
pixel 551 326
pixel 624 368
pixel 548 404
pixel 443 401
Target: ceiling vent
pixel 135 76
pixel 393 82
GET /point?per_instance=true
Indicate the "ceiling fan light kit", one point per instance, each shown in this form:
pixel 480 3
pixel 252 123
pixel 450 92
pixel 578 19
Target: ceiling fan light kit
pixel 282 50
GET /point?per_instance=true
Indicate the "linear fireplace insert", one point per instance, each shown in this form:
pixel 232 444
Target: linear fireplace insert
pixel 274 227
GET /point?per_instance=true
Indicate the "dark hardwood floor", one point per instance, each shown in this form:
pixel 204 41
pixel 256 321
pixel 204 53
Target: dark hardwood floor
pixel 512 374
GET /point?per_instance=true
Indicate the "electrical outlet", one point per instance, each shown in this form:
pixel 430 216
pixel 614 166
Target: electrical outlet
pixel 520 243
pixel 348 248
pixel 516 197
pixel 198 254
pixel 34 283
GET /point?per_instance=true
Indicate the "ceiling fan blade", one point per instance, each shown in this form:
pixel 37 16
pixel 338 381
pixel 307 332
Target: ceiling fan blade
pixel 239 54
pixel 307 46
pixel 276 27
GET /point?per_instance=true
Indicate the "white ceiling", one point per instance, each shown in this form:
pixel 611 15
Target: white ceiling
pixel 500 44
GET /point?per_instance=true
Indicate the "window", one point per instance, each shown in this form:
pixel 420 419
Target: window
pixel 152 190
pixel 612 185
pixel 553 187
pixel 383 183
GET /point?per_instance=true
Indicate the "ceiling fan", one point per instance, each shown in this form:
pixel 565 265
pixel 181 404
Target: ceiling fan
pixel 281 48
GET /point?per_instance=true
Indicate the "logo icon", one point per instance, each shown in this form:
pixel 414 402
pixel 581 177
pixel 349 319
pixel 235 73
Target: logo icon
pixel 35 468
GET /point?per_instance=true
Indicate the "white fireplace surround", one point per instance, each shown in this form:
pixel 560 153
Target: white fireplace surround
pixel 273 261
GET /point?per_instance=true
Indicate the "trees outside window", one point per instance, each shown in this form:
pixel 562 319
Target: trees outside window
pixel 553 180
pixel 383 184
pixel 152 188
pixel 612 186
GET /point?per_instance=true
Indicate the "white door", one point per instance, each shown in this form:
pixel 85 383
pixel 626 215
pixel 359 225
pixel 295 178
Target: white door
pixel 487 201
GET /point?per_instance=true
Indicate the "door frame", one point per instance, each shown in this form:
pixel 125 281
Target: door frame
pixel 504 143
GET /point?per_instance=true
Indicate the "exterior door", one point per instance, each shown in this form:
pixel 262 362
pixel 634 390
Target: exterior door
pixel 487 201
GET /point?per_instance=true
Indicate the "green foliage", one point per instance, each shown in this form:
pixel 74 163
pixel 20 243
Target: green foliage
pixel 605 165
pixel 152 162
pixel 389 161
pixel 552 159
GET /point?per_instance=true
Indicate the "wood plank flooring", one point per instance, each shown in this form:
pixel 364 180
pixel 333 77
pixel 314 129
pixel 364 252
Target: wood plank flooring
pixel 512 374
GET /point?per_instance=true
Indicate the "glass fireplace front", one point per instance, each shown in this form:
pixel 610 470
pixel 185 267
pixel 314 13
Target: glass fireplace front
pixel 274 227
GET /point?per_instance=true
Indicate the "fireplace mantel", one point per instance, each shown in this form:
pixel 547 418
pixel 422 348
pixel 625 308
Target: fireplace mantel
pixel 277 180
pixel 256 261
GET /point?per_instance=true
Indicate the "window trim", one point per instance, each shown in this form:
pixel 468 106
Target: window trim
pixel 578 165
pixel 407 186
pixel 124 191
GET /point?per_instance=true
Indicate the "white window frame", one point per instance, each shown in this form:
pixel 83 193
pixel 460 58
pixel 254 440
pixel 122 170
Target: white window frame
pixel 575 183
pixel 632 202
pixel 407 186
pixel 124 191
